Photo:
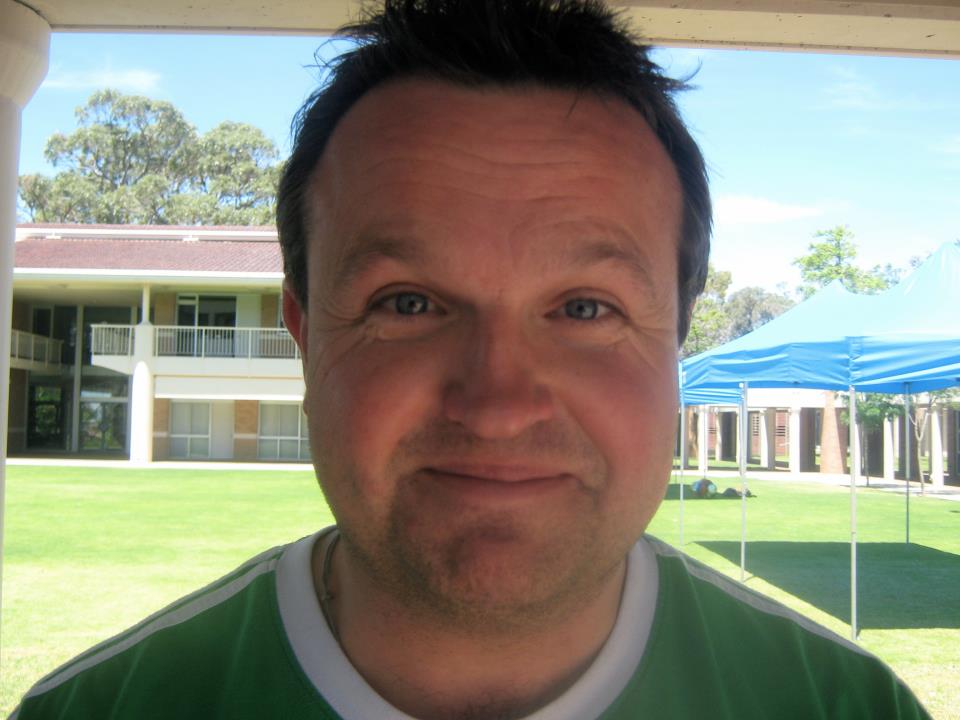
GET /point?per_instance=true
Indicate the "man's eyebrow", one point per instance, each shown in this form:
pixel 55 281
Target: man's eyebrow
pixel 364 253
pixel 595 252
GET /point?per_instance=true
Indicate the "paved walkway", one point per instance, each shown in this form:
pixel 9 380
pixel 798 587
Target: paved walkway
pixel 164 465
pixel 945 492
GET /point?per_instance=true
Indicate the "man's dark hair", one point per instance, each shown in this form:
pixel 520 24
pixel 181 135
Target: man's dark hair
pixel 578 45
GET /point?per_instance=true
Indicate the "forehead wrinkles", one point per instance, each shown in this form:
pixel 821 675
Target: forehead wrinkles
pixel 500 130
pixel 403 140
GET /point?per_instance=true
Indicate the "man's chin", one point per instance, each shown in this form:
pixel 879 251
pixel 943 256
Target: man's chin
pixel 495 575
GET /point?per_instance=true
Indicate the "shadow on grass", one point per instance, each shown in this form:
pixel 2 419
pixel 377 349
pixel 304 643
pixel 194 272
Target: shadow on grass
pixel 899 586
pixel 673 493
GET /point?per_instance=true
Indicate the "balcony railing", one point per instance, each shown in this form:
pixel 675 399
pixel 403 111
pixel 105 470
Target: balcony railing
pixel 112 339
pixel 228 342
pixel 36 348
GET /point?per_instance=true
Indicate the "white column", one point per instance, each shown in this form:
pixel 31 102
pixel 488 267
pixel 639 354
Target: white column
pixel 936 449
pixel 141 390
pixel 24 54
pixel 703 439
pixel 889 466
pixel 718 435
pixel 145 304
pixel 141 414
pixel 77 368
pixel 768 438
pixel 795 447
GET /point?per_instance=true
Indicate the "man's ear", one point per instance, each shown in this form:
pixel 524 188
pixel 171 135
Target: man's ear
pixel 295 318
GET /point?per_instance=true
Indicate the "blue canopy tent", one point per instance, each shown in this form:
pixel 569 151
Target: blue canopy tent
pixel 904 340
pixel 911 342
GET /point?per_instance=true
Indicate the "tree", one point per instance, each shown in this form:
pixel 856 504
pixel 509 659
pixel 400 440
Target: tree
pixel 134 160
pixel 708 326
pixel 832 259
pixel 750 307
pixel 929 403
pixel 718 318
pixel 872 410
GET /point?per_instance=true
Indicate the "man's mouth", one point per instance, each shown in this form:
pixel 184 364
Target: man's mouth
pixel 498 484
pixel 497 472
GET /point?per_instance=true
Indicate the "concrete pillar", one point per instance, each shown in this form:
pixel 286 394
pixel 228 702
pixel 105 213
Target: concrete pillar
pixel 141 414
pixel 953 443
pixel 703 440
pixel 768 438
pixel 75 393
pixel 145 304
pixel 24 55
pixel 936 449
pixel 141 391
pixel 889 467
pixel 718 435
pixel 795 439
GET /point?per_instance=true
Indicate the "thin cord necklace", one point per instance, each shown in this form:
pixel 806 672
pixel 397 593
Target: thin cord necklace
pixel 325 595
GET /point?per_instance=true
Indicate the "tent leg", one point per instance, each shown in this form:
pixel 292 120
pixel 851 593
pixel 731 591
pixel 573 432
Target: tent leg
pixel 744 454
pixel 854 473
pixel 683 460
pixel 908 431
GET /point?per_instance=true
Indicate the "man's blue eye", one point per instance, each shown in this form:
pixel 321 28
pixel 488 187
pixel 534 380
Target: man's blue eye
pixel 410 303
pixel 582 309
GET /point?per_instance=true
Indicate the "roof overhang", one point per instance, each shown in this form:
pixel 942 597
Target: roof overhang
pixel 110 287
pixel 912 27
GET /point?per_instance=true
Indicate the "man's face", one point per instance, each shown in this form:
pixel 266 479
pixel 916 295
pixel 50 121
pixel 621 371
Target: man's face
pixel 490 341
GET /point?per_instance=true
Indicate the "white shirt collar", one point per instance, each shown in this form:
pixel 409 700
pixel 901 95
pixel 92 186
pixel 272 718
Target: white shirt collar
pixel 328 668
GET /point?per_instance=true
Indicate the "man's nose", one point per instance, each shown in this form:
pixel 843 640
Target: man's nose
pixel 497 388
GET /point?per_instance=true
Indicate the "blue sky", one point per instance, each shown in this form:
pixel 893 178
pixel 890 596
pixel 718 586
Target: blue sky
pixel 795 142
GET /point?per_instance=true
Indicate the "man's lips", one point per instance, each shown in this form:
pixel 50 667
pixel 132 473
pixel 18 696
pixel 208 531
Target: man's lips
pixel 494 484
pixel 497 473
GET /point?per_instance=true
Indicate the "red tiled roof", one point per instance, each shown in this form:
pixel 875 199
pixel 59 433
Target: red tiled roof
pixel 130 253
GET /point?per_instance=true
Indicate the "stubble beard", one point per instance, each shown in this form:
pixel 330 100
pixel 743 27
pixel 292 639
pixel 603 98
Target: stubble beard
pixel 465 578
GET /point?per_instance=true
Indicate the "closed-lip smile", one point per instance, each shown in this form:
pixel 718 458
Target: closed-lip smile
pixel 497 472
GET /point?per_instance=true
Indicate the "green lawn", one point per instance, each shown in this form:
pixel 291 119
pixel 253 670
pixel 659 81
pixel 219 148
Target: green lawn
pixel 90 551
pixel 799 553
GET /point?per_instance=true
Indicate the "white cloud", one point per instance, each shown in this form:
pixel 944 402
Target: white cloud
pixel 852 91
pixel 751 210
pixel 130 80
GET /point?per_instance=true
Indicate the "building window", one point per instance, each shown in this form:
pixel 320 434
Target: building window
pixel 189 430
pixel 283 432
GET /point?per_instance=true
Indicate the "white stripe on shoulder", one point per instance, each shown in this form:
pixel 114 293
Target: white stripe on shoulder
pixel 177 612
pixel 751 597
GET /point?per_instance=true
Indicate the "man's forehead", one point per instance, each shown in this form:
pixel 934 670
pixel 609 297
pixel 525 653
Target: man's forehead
pixel 421 114
pixel 374 186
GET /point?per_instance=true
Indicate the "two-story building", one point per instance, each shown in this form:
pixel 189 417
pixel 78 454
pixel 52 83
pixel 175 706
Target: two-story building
pixel 152 343
pixel 159 343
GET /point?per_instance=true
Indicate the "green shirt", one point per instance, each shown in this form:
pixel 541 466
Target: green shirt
pixel 250 646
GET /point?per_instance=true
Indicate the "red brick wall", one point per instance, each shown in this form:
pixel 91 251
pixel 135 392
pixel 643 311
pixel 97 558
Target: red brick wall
pixel 161 429
pixel 245 425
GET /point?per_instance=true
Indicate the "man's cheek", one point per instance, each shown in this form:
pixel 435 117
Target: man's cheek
pixel 372 398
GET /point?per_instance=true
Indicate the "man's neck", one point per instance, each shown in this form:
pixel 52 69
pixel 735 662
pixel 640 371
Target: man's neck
pixel 436 671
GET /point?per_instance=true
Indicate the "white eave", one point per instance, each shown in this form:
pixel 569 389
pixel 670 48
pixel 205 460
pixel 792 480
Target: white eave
pixel 145 277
